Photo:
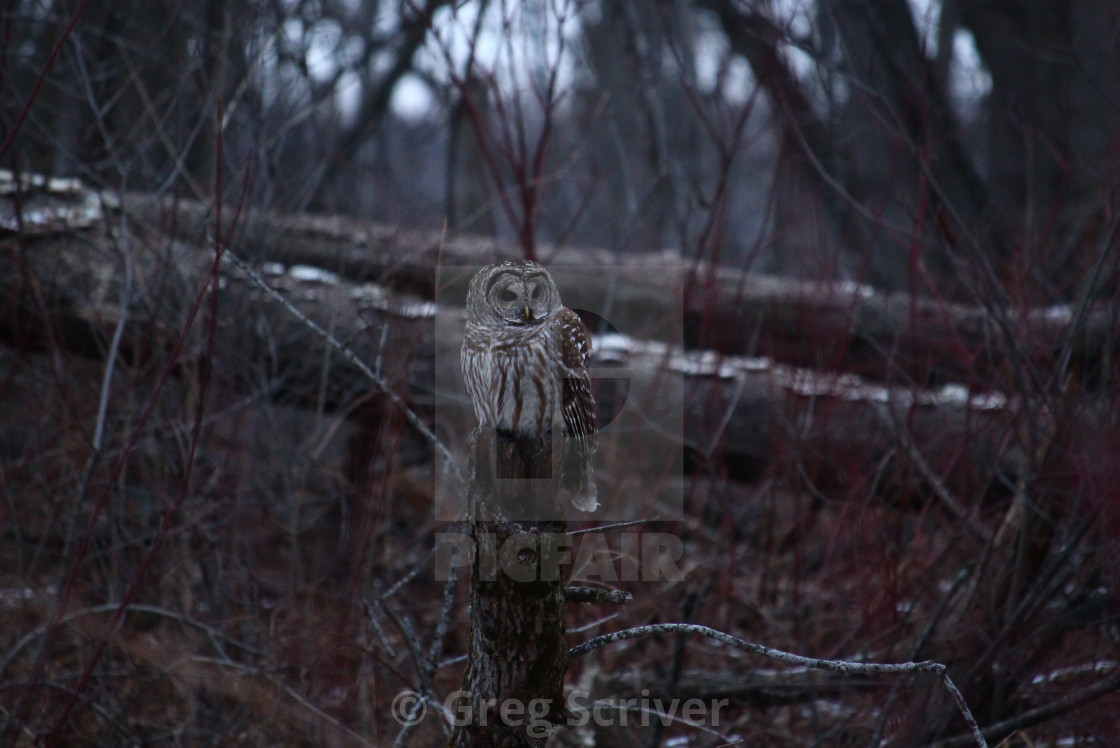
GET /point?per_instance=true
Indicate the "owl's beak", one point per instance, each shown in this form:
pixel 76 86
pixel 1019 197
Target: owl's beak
pixel 528 314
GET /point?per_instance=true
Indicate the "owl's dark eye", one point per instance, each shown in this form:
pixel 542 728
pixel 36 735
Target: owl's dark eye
pixel 507 295
pixel 536 293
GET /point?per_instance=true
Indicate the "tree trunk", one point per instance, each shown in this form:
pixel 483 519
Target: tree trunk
pixel 514 681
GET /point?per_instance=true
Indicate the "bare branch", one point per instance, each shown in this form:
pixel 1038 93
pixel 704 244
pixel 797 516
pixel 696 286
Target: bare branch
pixel 839 666
pixel 414 420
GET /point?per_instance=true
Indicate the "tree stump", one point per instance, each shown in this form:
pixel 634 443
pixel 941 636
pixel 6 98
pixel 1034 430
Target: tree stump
pixel 513 686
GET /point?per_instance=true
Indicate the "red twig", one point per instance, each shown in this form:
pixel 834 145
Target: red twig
pixel 209 287
pixel 42 76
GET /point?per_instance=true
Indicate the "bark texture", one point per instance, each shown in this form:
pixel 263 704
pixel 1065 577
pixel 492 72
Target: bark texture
pixel 517 656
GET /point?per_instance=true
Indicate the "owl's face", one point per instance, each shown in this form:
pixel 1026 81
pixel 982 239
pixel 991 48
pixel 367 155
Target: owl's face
pixel 515 293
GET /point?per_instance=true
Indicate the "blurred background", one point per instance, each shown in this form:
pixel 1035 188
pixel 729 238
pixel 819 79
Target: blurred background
pixel 896 142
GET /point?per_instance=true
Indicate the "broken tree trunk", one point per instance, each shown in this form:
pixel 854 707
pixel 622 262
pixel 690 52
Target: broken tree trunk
pixel 512 690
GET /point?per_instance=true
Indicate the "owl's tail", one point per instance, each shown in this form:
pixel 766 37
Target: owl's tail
pixel 578 479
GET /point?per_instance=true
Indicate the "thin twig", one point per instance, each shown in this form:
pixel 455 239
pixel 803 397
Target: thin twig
pixel 940 490
pixel 923 639
pixel 1050 709
pixel 614 526
pixel 210 631
pixel 97 441
pixel 288 691
pixel 424 667
pixel 375 621
pixel 414 420
pixel 596 595
pixel 442 627
pixel 409 576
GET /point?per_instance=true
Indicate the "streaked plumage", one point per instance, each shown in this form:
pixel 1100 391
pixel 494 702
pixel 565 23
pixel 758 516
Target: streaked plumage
pixel 524 359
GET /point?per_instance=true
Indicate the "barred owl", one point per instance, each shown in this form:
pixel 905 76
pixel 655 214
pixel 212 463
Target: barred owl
pixel 524 360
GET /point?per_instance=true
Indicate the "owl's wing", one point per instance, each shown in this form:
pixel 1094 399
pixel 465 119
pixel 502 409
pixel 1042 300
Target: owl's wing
pixel 576 401
pixel 578 409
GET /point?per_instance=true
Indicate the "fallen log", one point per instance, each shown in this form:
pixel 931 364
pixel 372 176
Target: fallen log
pixel 735 416
pixel 840 326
